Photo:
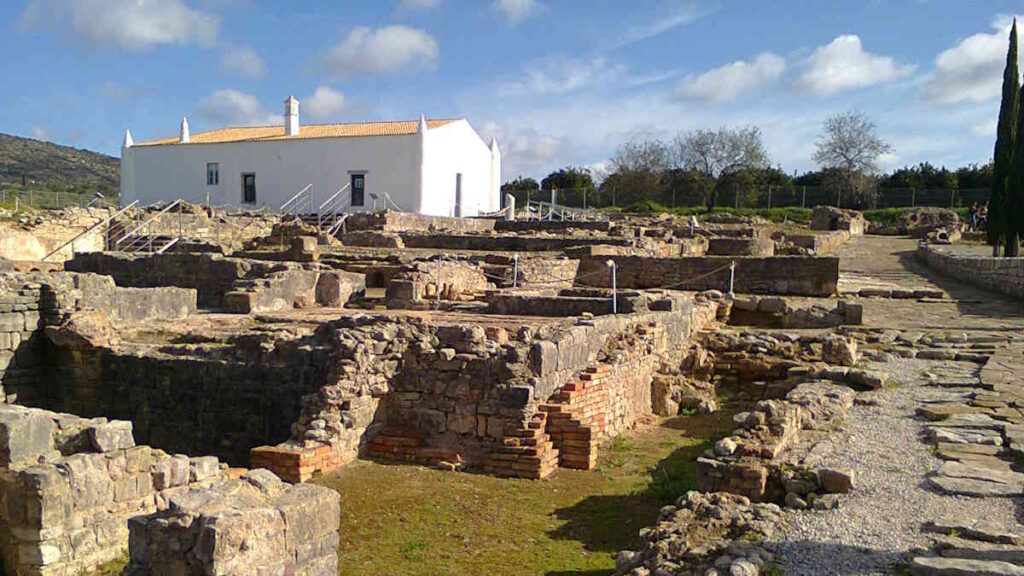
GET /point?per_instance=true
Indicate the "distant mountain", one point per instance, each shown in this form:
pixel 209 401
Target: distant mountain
pixel 55 167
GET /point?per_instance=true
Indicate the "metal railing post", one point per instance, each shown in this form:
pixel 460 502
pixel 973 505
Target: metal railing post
pixel 515 271
pixel 732 278
pixel 615 303
pixel 438 281
pixel 803 198
pixel 913 197
pixel 769 196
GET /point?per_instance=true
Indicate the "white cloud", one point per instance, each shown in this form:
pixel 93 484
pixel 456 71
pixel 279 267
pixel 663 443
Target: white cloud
pixel 235 108
pixel 324 103
pixel 525 151
pixel 972 70
pixel 728 82
pixel 679 16
pixel 556 75
pixel 127 24
pixel 418 4
pixel 382 50
pixel 517 10
pixel 39 132
pixel 843 64
pixel 244 61
pixel 115 91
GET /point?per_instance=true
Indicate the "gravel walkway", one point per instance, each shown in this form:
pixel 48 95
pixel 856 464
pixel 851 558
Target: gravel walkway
pixel 880 521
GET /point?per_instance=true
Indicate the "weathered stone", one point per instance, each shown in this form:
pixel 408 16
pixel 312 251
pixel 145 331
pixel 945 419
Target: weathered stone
pixel 836 481
pixel 925 566
pixel 111 436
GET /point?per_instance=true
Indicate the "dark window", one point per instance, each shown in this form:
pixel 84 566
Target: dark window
pixel 212 174
pixel 359 189
pixel 458 195
pixel 249 188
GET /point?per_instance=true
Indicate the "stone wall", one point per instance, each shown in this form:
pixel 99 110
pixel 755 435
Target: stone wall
pixel 553 226
pixel 70 485
pixel 28 302
pixel 36 236
pixel 508 242
pixel 740 247
pixel 390 221
pixel 211 275
pixel 793 275
pixel 293 288
pixel 254 524
pixel 421 281
pixel 561 305
pixel 198 403
pixel 1005 275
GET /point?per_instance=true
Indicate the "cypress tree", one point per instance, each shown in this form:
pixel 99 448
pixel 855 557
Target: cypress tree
pixel 1002 160
pixel 1013 203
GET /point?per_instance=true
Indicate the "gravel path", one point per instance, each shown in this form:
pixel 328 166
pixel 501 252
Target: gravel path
pixel 880 521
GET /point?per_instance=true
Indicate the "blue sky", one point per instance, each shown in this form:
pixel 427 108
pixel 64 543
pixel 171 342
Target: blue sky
pixel 558 82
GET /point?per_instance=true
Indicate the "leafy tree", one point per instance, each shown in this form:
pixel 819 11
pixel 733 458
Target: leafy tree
pixel 720 155
pixel 1006 132
pixel 573 186
pixel 522 189
pixel 849 145
pixel 973 177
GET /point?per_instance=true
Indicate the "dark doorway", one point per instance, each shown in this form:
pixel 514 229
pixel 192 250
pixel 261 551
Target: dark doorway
pixel 358 189
pixel 458 195
pixel 249 188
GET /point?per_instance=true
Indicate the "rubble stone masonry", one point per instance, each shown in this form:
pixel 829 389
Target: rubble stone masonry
pixel 1004 275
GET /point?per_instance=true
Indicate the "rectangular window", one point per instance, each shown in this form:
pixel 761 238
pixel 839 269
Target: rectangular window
pixel 249 188
pixel 359 189
pixel 212 173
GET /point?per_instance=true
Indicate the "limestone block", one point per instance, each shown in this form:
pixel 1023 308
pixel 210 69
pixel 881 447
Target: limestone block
pixel 25 435
pixel 334 288
pixel 310 512
pixel 111 436
pixel 202 468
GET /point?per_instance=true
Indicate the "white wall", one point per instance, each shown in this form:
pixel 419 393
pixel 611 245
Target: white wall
pixel 402 166
pixel 282 168
pixel 449 150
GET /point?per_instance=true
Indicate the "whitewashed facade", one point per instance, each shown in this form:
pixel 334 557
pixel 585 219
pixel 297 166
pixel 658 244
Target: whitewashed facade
pixel 435 167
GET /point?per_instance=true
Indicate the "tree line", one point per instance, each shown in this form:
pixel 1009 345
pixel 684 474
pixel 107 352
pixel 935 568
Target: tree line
pixel 696 168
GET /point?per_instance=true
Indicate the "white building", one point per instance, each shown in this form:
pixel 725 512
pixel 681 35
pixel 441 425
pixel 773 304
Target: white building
pixel 435 167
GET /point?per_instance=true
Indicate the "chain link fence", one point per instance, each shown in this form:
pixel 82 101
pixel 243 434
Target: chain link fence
pixel 51 200
pixel 761 197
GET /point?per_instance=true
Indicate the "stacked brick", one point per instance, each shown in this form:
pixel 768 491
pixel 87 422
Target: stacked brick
pixel 577 418
pixel 294 463
pixel 524 453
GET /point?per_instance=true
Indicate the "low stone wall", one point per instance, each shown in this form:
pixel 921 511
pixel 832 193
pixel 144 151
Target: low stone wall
pixel 553 226
pixel 295 288
pixel 70 485
pixel 211 275
pixel 1005 275
pixel 819 244
pixel 255 524
pixel 507 243
pixel 424 280
pixel 20 339
pixel 562 306
pixel 793 275
pixel 740 247
pixel 390 221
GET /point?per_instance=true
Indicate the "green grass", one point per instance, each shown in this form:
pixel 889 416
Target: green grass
pixel 414 520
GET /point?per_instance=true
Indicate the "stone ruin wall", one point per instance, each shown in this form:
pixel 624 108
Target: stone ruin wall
pixel 69 486
pixel 30 302
pixel 786 275
pixel 1005 275
pixel 410 391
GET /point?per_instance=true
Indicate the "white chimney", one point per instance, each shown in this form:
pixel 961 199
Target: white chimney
pixel 291 116
pixel 184 137
pixel 128 141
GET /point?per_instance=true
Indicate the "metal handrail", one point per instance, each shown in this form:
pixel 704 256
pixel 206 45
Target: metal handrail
pixel 90 229
pixel 149 220
pixel 333 196
pixel 286 206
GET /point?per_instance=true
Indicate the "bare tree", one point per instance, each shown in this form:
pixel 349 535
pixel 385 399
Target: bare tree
pixel 849 145
pixel 719 153
pixel 642 155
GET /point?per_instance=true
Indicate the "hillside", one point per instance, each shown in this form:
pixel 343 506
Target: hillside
pixel 54 167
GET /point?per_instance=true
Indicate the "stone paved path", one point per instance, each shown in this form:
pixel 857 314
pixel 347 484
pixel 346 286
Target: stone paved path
pixel 933 456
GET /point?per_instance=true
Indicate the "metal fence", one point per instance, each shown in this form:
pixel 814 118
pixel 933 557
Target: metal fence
pixel 762 197
pixel 51 200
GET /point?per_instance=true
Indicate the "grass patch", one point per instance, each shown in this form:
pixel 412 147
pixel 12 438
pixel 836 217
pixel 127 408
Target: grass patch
pixel 893 384
pixel 413 520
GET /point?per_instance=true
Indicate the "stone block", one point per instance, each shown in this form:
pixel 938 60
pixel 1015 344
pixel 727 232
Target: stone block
pixel 202 468
pixel 25 435
pixel 111 436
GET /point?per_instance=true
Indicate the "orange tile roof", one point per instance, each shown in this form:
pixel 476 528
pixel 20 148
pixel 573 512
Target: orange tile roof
pixel 268 133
